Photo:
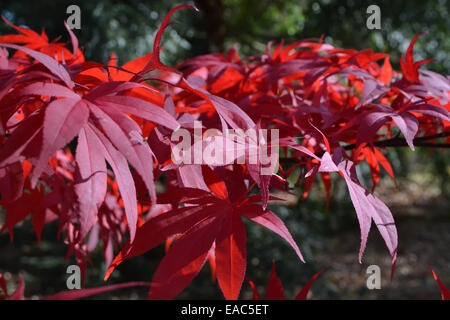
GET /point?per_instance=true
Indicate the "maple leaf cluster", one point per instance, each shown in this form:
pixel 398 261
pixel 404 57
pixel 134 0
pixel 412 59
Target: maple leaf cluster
pixel 87 144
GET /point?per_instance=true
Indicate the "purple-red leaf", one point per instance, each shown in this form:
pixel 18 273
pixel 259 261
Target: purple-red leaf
pixel 184 260
pixel 51 64
pixel 140 108
pixel 90 183
pixel 11 182
pixel 123 176
pixel 445 293
pixel 63 120
pixel 158 229
pixel 231 258
pixel 274 290
pixel 269 220
pixel 304 292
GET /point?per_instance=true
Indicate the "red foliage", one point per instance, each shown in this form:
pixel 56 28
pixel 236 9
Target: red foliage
pixel 445 293
pixel 275 291
pixel 334 108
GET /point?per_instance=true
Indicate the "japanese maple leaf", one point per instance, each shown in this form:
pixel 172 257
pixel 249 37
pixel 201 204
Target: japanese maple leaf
pixel 227 110
pixel 40 42
pixel 207 218
pixel 87 292
pixel 11 182
pixel 445 293
pixel 367 206
pixel 374 157
pixel 275 291
pixel 370 121
pixel 19 209
pixel 106 132
pixel 370 208
pixel 409 67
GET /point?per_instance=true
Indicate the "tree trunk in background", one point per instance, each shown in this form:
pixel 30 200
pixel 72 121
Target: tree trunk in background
pixel 213 21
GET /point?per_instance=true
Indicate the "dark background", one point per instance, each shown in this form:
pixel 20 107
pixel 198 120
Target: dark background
pixel 419 198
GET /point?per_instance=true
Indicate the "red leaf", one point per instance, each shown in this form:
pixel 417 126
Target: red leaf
pixel 47 89
pixel 227 110
pixel 386 72
pixel 23 137
pixel 274 290
pixel 18 210
pixel 184 260
pixel 126 136
pixel 256 295
pixel 155 62
pixel 408 125
pixel 38 221
pixel 304 292
pixel 231 257
pixel 409 67
pixel 445 293
pixel 63 120
pixel 123 176
pixel 269 220
pixel 214 183
pixel 90 183
pixel 384 162
pixel 140 108
pixel 51 64
pixel 11 182
pixel 373 165
pixel 73 38
pixel 372 91
pixel 431 110
pixel 158 229
pixel 109 88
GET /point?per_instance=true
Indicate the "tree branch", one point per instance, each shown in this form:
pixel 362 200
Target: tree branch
pixel 401 142
pixel 394 142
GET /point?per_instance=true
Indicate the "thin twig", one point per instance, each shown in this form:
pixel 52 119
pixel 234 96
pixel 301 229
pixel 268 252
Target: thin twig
pixel 401 142
pixel 394 142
